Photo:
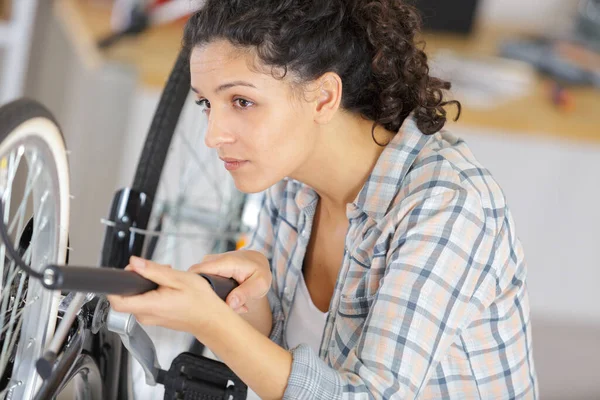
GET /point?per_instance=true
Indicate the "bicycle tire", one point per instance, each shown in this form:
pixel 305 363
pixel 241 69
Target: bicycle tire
pixel 162 128
pixel 30 130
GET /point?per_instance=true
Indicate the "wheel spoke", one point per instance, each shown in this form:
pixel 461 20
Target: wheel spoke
pixel 202 165
pixel 9 330
pixel 27 192
pixel 189 174
pixel 16 311
pixel 13 271
pixel 19 216
pixel 171 242
pixel 166 247
pixel 12 307
pixel 6 197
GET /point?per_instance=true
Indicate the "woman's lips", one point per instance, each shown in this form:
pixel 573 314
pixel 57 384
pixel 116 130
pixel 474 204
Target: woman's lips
pixel 232 164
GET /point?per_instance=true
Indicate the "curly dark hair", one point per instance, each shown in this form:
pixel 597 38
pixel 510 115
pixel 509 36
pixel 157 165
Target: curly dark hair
pixel 370 44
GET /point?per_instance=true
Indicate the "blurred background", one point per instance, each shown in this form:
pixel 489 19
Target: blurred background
pixel 526 71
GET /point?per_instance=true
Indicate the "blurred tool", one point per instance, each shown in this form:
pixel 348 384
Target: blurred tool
pixel 561 59
pixel 561 97
pixel 137 23
pixel 574 59
pixel 483 82
pixel 133 17
pixel 588 23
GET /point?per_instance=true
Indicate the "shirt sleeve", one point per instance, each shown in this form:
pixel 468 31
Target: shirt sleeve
pixel 262 240
pixel 438 275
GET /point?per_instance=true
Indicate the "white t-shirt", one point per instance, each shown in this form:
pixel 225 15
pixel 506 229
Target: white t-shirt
pixel 305 322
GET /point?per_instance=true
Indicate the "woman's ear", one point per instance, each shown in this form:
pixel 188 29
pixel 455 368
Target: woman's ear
pixel 328 97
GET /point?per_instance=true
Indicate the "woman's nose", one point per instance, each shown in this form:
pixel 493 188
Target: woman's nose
pixel 217 133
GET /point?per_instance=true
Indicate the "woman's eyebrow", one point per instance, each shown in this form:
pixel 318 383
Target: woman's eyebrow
pixel 228 86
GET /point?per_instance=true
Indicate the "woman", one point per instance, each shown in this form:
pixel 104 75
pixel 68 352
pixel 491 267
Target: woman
pixel 385 262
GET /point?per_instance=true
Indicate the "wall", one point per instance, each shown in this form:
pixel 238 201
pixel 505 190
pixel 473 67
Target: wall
pixel 92 107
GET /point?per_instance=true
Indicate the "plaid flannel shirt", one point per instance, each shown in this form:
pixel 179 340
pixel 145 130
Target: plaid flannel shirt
pixel 431 300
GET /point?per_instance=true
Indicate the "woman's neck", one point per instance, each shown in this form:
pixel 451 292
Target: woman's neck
pixel 342 161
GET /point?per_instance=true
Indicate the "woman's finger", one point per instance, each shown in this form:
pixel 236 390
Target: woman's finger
pixel 146 303
pixel 131 304
pixel 163 275
pixel 222 266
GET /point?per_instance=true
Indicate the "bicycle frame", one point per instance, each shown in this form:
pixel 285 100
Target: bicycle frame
pixel 72 352
pixel 129 209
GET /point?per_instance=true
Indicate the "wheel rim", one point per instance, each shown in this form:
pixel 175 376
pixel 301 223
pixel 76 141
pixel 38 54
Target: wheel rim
pixel 28 325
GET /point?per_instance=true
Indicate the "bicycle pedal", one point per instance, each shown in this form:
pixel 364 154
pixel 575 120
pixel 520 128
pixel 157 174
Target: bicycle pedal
pixel 194 377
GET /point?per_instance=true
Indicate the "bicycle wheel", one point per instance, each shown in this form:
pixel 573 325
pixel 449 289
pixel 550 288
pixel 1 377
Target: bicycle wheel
pixel 196 208
pixel 34 185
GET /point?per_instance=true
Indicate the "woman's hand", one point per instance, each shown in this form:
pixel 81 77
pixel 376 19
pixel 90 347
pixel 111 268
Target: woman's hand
pixel 183 301
pixel 249 268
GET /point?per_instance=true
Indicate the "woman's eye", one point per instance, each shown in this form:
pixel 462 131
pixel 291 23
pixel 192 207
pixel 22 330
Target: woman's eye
pixel 203 103
pixel 241 103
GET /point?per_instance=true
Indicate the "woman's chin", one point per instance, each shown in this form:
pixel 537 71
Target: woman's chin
pixel 249 185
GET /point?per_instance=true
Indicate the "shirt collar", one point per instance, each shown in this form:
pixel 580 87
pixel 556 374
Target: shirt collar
pixel 393 164
pixel 305 196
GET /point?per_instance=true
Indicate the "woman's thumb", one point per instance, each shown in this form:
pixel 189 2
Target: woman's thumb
pixel 237 298
pixel 251 289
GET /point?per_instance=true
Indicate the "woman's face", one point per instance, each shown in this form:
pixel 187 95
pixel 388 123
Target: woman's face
pixel 262 130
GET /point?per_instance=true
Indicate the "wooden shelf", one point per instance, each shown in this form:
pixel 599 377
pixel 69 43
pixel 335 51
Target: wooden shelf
pixel 532 114
pixel 153 53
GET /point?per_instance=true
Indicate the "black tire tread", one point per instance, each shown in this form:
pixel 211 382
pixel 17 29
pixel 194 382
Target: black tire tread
pixel 162 128
pixel 19 111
